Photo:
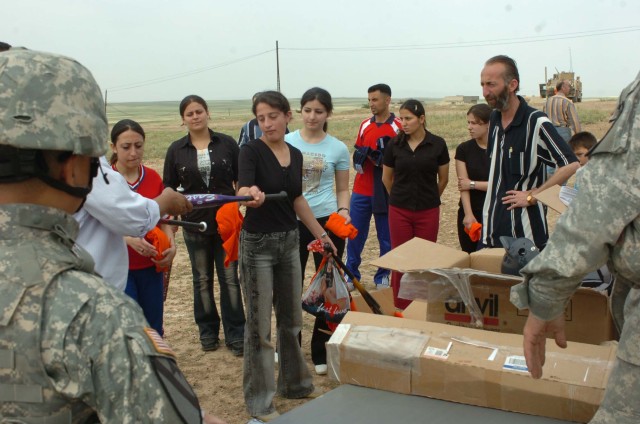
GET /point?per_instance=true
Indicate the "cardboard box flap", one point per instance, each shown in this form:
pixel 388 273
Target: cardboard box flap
pixel 418 255
pixel 416 310
pixel 384 297
pixel 488 260
pixel 551 198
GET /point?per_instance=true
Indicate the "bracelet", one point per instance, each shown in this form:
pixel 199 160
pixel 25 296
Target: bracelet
pixel 343 209
pixel 323 235
pixel 472 184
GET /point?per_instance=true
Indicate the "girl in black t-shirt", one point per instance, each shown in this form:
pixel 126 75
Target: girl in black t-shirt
pixel 472 167
pixel 415 173
pixel 270 271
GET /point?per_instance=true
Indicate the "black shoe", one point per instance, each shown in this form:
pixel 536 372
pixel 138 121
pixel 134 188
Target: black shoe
pixel 236 348
pixel 209 346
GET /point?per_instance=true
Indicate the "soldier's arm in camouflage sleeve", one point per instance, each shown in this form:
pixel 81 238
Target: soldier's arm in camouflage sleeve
pixel 106 358
pixel 584 235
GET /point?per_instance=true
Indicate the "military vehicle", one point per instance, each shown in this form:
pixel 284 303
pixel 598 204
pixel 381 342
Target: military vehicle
pixel 549 87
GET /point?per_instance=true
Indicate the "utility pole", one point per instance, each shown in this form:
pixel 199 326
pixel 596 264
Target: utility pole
pixel 105 102
pixel 570 62
pixel 277 66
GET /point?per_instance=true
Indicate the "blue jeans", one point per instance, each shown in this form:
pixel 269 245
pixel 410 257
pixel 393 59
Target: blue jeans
pixel 361 211
pixel 145 286
pixel 270 275
pixel 564 132
pixel 205 250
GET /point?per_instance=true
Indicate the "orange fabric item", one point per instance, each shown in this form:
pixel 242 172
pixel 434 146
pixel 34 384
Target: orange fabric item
pixel 160 242
pixel 336 224
pixel 229 221
pixel 475 232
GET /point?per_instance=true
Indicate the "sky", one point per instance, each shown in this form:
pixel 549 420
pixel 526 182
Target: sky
pixel 156 50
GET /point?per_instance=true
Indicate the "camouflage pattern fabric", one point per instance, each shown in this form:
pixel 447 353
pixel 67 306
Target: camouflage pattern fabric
pixel 50 102
pixel 93 354
pixel 601 225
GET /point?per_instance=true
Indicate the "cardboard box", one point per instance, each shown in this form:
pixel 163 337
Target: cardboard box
pixel 384 298
pixel 467 365
pixel 442 268
pixel 551 198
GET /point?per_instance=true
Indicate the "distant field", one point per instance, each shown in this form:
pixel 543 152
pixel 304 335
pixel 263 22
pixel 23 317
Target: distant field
pixel 162 123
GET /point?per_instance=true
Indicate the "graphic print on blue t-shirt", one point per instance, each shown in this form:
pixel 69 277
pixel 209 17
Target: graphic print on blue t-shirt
pixel 312 168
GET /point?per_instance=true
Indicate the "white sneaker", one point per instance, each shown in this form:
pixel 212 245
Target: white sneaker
pixel 384 284
pixel 321 369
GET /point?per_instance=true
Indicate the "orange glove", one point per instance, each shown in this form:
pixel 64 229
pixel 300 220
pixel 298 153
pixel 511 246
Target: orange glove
pixel 229 221
pixel 475 232
pixel 336 224
pixel 161 242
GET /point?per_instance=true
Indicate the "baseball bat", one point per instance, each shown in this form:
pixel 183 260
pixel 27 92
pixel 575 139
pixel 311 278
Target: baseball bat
pixel 212 200
pixel 373 304
pixel 200 226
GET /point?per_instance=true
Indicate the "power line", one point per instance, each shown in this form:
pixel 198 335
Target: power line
pixel 433 46
pixel 482 43
pixel 184 74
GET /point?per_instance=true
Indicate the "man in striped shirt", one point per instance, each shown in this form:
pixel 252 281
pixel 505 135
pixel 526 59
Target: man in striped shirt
pixel 522 140
pixel 562 111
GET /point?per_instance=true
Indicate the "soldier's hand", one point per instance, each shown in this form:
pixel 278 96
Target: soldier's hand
pixel 173 203
pixel 535 337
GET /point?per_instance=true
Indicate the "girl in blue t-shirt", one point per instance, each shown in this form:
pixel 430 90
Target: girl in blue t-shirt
pixel 326 165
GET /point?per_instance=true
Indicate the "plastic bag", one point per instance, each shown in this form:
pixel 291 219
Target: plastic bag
pixel 327 296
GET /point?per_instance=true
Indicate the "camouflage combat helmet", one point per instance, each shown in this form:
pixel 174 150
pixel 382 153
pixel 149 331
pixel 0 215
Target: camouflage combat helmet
pixel 50 102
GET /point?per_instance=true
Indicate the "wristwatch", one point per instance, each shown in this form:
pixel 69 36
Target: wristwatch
pixel 530 199
pixel 472 184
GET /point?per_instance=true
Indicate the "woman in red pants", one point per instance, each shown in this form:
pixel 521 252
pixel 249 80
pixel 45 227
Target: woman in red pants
pixel 415 173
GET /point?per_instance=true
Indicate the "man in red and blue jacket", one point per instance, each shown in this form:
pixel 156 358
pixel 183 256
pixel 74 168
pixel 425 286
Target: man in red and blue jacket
pixel 369 196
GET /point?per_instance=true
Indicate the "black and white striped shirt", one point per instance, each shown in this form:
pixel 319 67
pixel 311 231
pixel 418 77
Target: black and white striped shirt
pixel 518 156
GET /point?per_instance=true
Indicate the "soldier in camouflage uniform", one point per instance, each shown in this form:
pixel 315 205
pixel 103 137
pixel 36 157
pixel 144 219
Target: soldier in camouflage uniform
pixel 72 348
pixel 602 225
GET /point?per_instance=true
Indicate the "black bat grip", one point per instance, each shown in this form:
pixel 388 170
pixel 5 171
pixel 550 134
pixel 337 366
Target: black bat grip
pixel 276 196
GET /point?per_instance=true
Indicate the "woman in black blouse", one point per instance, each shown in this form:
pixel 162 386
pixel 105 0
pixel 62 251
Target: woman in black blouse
pixel 205 161
pixel 270 270
pixel 472 167
pixel 415 172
